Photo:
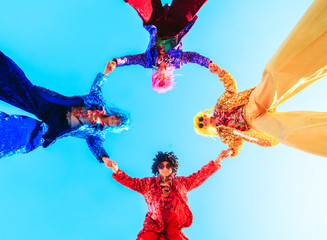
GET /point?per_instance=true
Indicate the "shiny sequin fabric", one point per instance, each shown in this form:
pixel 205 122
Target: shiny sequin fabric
pixel 176 56
pixel 151 190
pixel 19 134
pixel 233 118
pixel 82 115
pixel 231 98
pixel 50 108
pixel 93 134
pixel 230 107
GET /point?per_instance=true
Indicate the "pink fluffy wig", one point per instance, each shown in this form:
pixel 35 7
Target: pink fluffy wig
pixel 163 81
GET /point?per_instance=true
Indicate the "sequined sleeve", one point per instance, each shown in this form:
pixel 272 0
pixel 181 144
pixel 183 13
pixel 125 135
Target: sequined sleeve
pixel 98 83
pixel 196 179
pixel 95 144
pixel 227 136
pixel 229 84
pixel 260 138
pixel 230 97
pixel 193 57
pixel 138 59
pixel 136 184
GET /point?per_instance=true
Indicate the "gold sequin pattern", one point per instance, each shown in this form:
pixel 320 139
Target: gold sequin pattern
pixel 230 100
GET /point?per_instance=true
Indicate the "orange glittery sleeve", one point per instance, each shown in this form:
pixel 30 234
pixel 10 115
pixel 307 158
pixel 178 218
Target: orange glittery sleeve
pixel 231 97
pixel 227 136
pixel 229 84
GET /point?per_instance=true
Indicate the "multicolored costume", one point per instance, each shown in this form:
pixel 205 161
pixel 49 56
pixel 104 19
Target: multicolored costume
pixel 166 26
pixel 300 61
pixel 231 126
pixel 21 134
pixel 167 215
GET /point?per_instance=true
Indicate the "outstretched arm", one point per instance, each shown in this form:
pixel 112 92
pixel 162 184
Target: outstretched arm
pixel 97 84
pixel 138 59
pixel 95 144
pixel 224 154
pixel 193 57
pixel 196 179
pixel 227 136
pixel 136 184
pixel 101 78
pixel 225 77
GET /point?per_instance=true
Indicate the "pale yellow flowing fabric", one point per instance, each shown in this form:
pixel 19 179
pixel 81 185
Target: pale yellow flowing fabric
pixel 300 61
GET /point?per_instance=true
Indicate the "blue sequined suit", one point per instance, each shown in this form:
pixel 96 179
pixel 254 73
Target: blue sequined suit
pixel 21 134
pixel 176 56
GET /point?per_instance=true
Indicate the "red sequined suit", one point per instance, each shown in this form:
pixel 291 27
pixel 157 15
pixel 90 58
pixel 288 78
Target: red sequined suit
pixel 149 187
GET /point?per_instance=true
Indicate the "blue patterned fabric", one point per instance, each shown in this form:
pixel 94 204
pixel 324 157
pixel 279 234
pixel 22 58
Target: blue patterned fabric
pixel 51 108
pixel 15 88
pixel 19 134
pixel 176 56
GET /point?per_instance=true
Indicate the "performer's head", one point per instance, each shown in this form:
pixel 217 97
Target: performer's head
pixel 112 121
pixel 202 123
pixel 165 164
pixel 115 120
pixel 163 77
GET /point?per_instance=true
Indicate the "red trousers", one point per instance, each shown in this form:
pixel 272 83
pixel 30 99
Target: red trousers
pixel 170 232
pixel 168 20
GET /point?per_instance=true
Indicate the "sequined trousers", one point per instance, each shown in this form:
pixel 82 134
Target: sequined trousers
pixel 22 134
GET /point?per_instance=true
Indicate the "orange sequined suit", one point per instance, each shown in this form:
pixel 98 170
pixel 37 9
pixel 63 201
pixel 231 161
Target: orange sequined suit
pixel 236 131
pixel 299 62
pixel 154 226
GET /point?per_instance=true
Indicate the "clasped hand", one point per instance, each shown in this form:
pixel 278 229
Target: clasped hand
pixel 110 164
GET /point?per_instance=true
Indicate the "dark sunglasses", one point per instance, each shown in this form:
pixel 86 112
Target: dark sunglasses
pixel 200 122
pixel 162 166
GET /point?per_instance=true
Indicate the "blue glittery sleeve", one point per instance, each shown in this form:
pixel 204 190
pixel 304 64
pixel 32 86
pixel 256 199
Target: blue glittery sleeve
pixel 146 59
pixel 138 59
pixel 98 83
pixel 193 57
pixel 95 144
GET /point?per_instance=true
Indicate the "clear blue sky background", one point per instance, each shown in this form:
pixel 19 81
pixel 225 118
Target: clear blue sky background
pixel 62 192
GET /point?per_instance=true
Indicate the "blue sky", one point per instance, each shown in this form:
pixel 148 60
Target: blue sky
pixel 62 192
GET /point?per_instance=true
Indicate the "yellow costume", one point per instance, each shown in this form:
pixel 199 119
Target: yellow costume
pixel 300 61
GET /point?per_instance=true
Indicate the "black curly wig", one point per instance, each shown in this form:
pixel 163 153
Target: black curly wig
pixel 165 156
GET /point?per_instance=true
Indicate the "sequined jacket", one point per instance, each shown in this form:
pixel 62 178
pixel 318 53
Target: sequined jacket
pixel 149 187
pixel 94 134
pixel 176 56
pixel 233 100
